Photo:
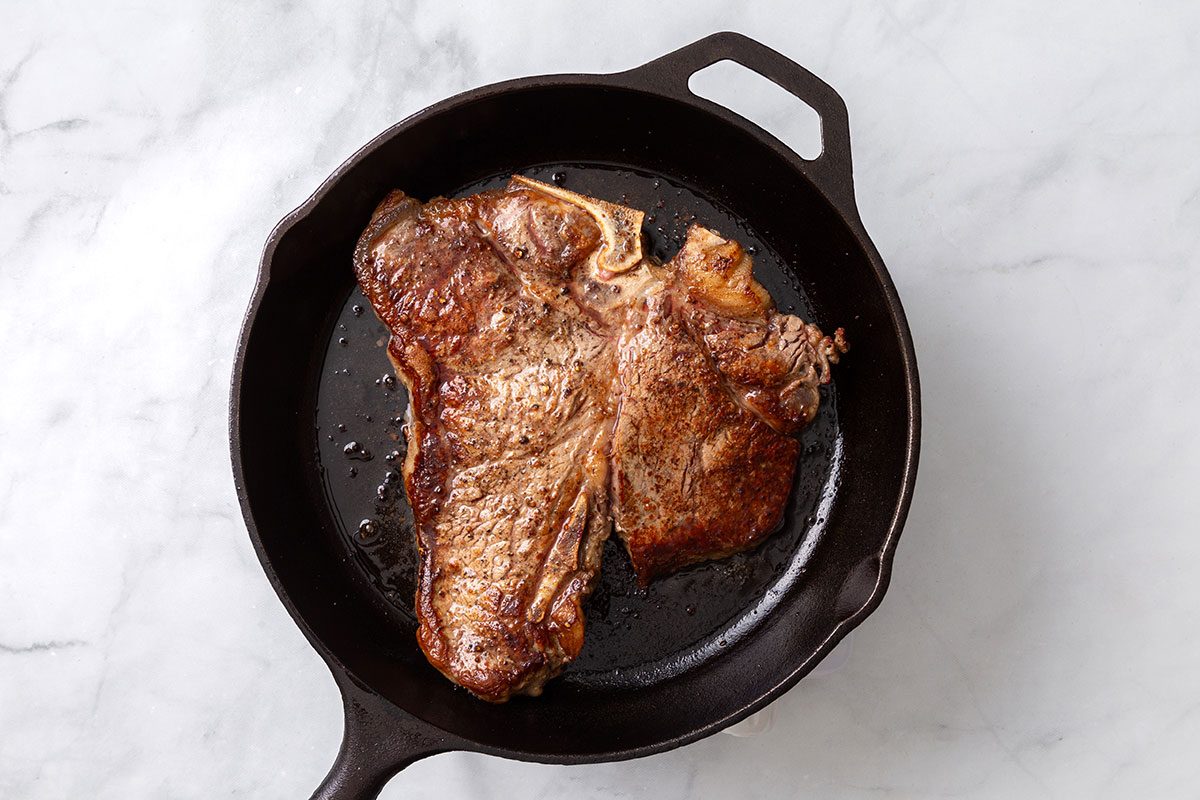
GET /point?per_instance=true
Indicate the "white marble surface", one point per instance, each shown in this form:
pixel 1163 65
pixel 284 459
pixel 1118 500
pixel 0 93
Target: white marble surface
pixel 1031 174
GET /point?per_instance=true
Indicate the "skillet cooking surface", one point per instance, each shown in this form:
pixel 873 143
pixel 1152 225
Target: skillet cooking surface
pixel 634 636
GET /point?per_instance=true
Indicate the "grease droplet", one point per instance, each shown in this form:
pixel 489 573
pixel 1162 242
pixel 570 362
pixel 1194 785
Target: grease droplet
pixel 357 452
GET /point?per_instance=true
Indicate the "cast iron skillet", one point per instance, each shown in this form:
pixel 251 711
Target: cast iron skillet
pixel 679 671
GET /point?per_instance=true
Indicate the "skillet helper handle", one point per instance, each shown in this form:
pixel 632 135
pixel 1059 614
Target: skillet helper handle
pixel 377 743
pixel 831 171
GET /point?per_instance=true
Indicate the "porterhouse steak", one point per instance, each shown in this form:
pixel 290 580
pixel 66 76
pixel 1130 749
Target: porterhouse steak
pixel 560 383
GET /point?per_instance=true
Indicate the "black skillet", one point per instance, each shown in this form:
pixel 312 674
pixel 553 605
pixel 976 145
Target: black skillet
pixel 696 652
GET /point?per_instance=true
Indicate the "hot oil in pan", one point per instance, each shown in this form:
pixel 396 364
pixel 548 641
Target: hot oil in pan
pixel 360 411
pixel 633 634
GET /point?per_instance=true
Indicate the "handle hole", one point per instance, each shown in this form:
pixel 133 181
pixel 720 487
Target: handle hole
pixel 763 102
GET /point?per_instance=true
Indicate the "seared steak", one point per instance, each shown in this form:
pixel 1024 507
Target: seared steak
pixel 559 382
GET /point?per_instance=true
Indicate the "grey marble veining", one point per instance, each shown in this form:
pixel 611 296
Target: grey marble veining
pixel 1030 173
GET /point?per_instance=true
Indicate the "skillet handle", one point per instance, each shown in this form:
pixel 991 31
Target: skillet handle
pixel 831 171
pixel 377 743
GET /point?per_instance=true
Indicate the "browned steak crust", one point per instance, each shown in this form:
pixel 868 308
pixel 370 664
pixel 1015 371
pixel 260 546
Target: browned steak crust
pixel 559 382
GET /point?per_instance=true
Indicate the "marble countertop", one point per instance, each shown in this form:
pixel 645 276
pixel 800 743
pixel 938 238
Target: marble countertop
pixel 1030 173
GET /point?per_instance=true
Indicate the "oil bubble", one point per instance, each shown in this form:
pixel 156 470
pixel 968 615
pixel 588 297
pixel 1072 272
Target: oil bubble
pixel 357 452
